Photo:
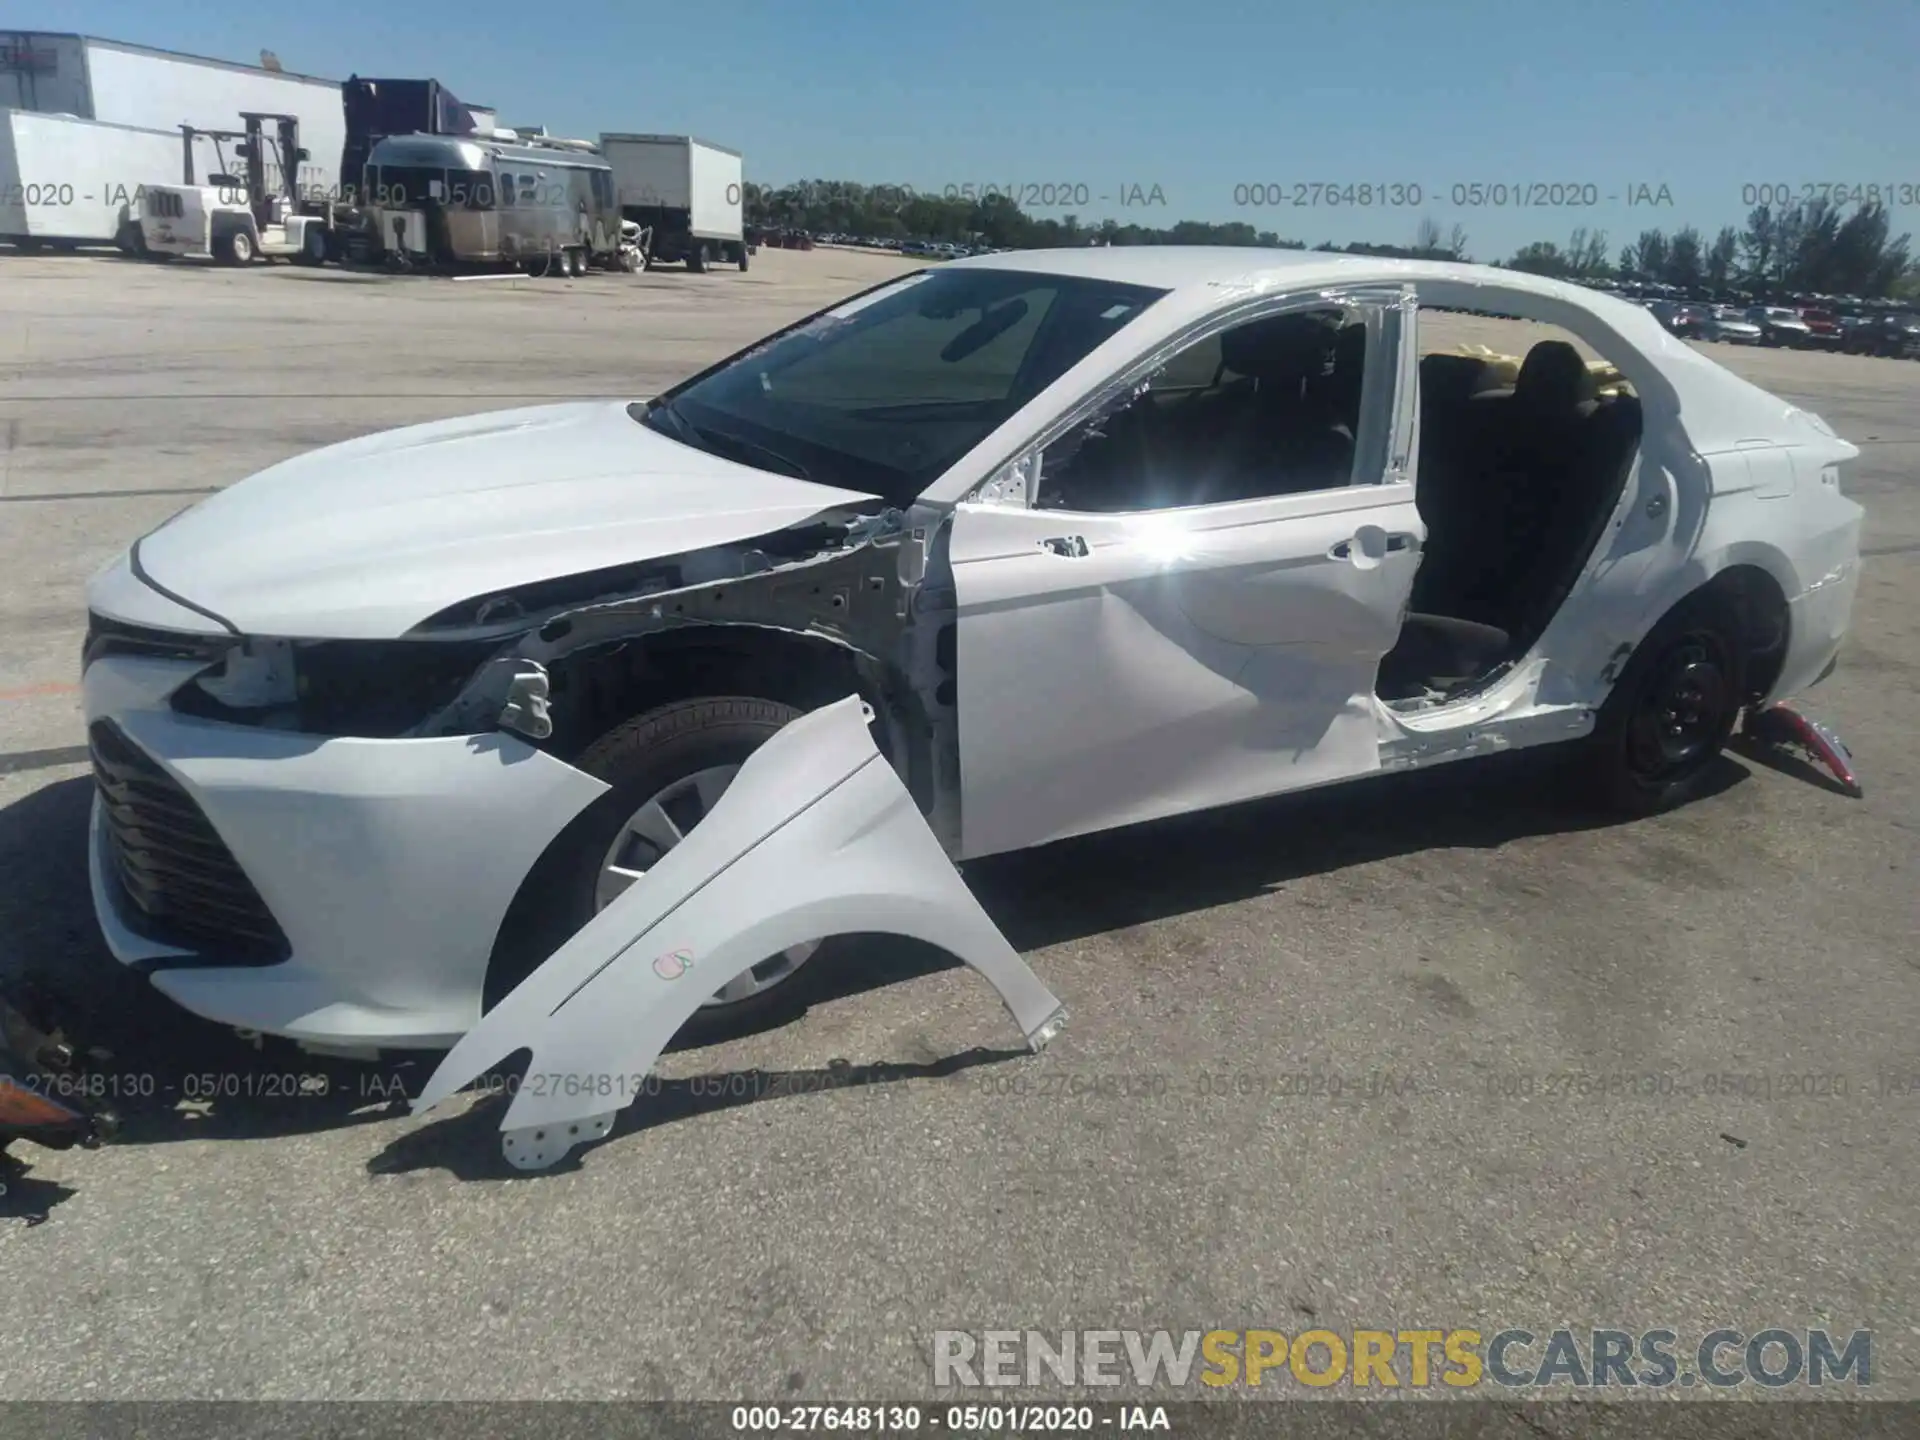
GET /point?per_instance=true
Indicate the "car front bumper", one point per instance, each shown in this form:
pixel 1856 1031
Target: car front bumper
pixel 386 865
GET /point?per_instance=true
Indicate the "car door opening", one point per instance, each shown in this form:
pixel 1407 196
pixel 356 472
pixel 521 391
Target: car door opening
pixel 1517 482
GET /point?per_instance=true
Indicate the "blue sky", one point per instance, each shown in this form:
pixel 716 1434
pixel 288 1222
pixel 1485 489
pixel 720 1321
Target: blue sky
pixel 1197 97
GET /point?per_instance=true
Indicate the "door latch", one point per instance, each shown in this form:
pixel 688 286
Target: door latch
pixel 1072 546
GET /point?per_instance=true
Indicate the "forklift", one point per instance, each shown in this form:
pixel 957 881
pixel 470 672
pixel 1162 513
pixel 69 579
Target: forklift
pixel 236 220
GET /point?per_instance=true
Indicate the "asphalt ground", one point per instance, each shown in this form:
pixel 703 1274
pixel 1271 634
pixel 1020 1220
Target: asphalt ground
pixel 1427 1051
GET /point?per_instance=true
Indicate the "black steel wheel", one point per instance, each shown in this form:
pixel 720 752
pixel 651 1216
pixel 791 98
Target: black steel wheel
pixel 1672 710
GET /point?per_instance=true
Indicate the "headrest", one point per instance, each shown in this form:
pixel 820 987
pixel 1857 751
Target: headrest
pixel 1342 386
pixel 1553 377
pixel 1281 347
pixel 1450 377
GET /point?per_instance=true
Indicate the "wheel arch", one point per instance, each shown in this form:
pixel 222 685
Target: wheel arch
pixel 603 685
pixel 1755 579
pixel 1760 600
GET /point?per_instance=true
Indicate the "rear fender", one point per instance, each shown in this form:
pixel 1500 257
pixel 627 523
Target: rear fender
pixel 815 837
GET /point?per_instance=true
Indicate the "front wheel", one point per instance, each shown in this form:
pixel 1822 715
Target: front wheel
pixel 697 257
pixel 667 769
pixel 1671 712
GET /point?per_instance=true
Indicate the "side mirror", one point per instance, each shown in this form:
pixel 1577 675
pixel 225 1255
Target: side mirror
pixel 301 154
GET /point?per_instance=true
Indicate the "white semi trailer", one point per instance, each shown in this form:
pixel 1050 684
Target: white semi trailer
pixel 687 193
pixel 84 100
pixel 68 182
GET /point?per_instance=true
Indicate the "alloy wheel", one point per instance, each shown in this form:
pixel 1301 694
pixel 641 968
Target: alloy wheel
pixel 655 828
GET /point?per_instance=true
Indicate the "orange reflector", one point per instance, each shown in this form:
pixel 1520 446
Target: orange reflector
pixel 21 1107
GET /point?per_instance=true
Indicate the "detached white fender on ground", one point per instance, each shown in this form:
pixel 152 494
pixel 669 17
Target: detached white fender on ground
pixel 815 837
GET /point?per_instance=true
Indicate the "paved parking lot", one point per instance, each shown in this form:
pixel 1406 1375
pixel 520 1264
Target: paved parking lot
pixel 800 1208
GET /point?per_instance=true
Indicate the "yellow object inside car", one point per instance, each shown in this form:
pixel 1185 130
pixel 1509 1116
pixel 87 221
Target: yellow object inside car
pixel 1503 370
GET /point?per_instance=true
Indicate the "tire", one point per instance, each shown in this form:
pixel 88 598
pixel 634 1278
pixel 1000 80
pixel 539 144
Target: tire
pixel 234 249
pixel 641 759
pixel 698 257
pixel 313 249
pixel 1671 712
pixel 740 253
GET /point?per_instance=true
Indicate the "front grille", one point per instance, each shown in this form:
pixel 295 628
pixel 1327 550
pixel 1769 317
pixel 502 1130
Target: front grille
pixel 182 885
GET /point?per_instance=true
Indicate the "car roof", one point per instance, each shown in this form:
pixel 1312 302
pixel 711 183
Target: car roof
pixel 1199 273
pixel 1175 267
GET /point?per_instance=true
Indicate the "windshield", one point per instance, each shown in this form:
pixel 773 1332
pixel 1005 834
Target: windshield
pixel 885 391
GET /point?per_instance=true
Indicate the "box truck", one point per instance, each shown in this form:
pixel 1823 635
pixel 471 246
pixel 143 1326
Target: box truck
pixel 685 192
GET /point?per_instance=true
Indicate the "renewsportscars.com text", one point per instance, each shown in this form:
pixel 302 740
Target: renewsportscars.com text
pixel 1451 1356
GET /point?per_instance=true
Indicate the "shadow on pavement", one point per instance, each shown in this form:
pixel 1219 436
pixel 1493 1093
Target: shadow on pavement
pixel 171 1076
pixel 467 1145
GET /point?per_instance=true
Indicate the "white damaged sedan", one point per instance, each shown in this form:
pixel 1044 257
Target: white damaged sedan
pixel 1094 536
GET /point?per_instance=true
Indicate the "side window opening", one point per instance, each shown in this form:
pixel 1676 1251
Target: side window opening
pixel 506 191
pixel 1269 407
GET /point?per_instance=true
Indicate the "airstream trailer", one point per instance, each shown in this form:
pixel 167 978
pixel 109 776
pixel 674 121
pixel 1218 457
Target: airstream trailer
pixel 492 199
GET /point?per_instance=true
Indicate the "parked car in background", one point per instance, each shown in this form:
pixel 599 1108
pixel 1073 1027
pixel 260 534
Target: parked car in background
pixel 1685 318
pixel 1823 327
pixel 1897 336
pixel 1729 326
pixel 1781 326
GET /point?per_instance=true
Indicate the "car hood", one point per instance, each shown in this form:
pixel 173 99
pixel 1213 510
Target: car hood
pixel 366 539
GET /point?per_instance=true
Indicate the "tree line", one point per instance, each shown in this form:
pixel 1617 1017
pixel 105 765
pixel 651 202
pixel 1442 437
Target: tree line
pixel 1808 248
